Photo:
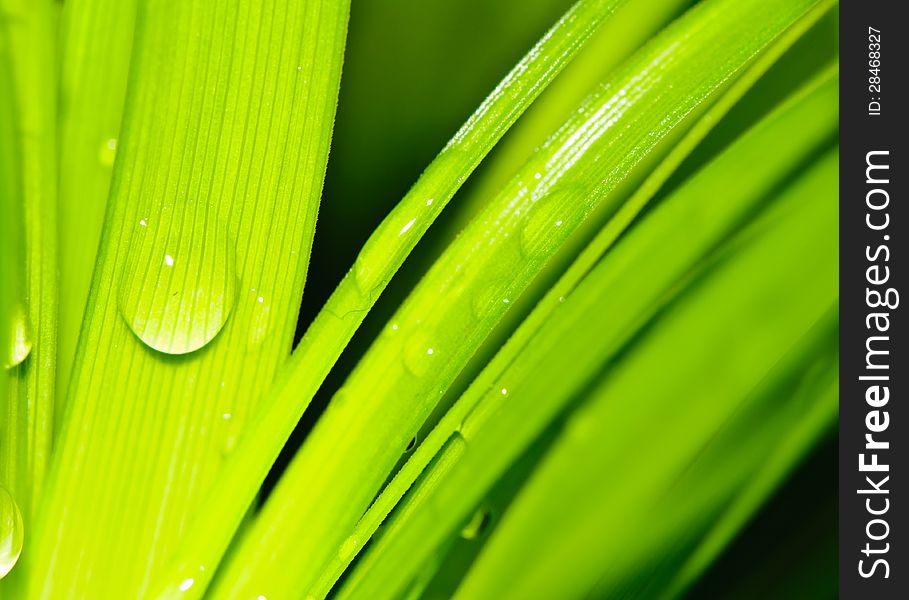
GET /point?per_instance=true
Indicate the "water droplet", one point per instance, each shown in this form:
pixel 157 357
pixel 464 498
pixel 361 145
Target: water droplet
pixel 186 584
pixel 12 532
pixel 429 202
pixel 477 525
pixel 419 354
pixel 19 338
pixel 143 222
pixel 504 392
pixel 544 222
pixel 179 285
pixel 259 321
pixel 108 152
pixel 348 549
pixel 488 299
pixel 407 226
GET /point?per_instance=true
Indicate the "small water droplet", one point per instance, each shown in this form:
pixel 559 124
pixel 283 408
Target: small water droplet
pixel 504 392
pixel 488 299
pixel 348 549
pixel 186 584
pixel 12 532
pixel 260 322
pixel 429 202
pixel 179 285
pixel 143 222
pixel 477 525
pixel 419 354
pixel 407 226
pixel 108 152
pixel 19 338
pixel 544 220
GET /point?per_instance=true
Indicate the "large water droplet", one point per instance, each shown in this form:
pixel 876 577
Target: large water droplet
pixel 12 532
pixel 18 338
pixel 178 286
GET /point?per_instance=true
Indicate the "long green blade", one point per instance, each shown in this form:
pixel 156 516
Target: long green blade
pixel 371 420
pixel 488 435
pixel 29 336
pixel 93 76
pixel 382 255
pixel 200 272
pixel 814 119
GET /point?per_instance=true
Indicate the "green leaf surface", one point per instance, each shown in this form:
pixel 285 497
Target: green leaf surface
pixel 634 430
pixel 814 119
pixel 93 77
pixel 635 404
pixel 380 258
pixel 29 191
pixel 387 397
pixel 201 266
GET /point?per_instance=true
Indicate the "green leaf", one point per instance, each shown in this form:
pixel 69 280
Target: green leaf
pixel 535 375
pixel 380 258
pixel 634 443
pixel 650 271
pixel 634 405
pixel 370 421
pixel 200 271
pixel 93 74
pixel 29 190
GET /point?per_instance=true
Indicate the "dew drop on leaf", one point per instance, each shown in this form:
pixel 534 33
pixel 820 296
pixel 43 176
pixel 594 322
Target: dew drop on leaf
pixel 419 355
pixel 349 548
pixel 108 152
pixel 260 320
pixel 179 284
pixel 544 222
pixel 12 532
pixel 477 524
pixel 18 338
